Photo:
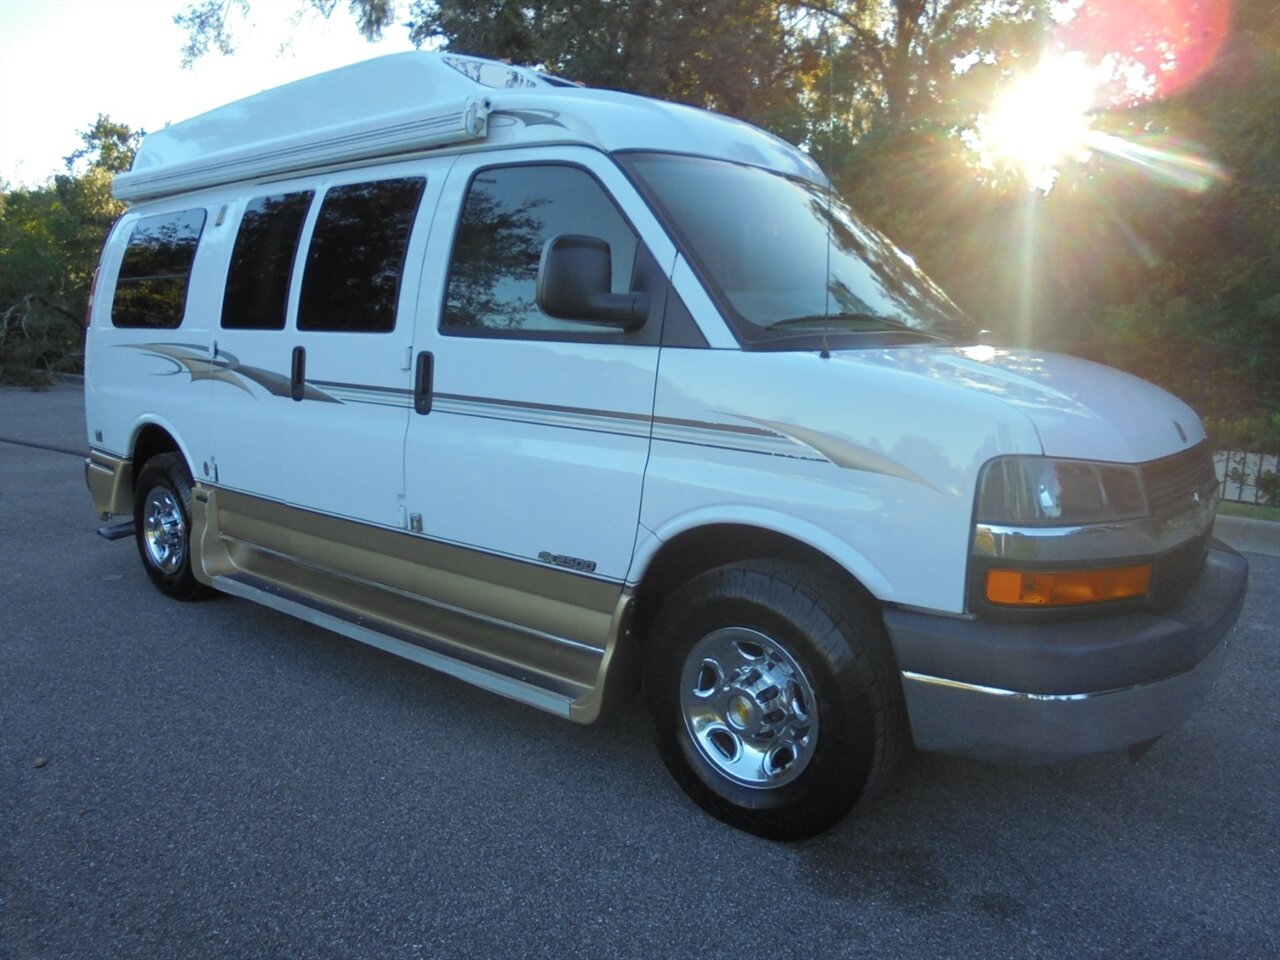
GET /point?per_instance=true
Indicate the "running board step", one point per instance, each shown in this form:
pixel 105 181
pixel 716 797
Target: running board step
pixel 116 531
pixel 492 675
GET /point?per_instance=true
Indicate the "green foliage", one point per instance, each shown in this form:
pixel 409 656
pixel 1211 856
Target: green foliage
pixel 1257 434
pixel 1181 286
pixel 107 146
pixel 50 237
pixel 1268 484
pixel 1251 511
pixel 729 55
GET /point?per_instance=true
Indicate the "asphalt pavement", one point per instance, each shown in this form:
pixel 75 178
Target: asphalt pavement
pixel 219 780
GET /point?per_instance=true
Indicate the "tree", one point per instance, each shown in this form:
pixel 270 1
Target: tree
pixel 107 145
pixel 50 238
pixel 1201 304
pixel 731 55
pixel 210 24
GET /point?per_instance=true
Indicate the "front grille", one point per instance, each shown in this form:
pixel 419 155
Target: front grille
pixel 1173 482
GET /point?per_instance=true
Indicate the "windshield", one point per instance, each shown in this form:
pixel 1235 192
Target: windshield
pixel 761 240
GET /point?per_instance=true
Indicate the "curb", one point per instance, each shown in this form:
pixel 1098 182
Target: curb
pixel 1249 536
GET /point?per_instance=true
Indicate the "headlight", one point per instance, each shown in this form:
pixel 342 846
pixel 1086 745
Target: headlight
pixel 1038 491
pixel 1032 492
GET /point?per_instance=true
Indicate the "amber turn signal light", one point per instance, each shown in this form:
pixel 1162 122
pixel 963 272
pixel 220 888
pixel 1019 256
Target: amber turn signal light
pixel 1063 588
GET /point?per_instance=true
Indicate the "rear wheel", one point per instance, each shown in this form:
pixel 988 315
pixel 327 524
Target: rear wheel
pixel 162 526
pixel 775 698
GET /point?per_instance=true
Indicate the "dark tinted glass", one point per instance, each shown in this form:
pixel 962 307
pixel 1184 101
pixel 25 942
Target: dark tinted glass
pixel 262 262
pixel 352 277
pixel 789 256
pixel 151 290
pixel 509 216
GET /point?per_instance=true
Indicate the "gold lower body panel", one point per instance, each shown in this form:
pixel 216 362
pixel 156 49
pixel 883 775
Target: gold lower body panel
pixel 110 483
pixel 541 636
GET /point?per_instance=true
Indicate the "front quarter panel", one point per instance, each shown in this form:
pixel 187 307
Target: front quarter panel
pixel 874 469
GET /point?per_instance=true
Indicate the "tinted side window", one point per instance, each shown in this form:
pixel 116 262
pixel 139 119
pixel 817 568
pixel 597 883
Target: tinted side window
pixel 151 290
pixel 352 277
pixel 509 215
pixel 262 262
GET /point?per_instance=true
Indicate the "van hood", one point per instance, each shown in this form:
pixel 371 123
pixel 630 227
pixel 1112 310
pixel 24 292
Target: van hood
pixel 1079 409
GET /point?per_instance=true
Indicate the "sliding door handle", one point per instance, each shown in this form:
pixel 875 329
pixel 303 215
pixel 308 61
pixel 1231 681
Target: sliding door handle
pixel 422 376
pixel 298 376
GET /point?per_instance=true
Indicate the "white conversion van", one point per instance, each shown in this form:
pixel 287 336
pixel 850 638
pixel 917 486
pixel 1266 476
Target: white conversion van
pixel 554 389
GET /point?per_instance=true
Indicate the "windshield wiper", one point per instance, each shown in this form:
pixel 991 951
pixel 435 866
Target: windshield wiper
pixel 862 322
pixel 827 318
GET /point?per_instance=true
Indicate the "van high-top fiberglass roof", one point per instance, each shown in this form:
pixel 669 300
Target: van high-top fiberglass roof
pixel 412 102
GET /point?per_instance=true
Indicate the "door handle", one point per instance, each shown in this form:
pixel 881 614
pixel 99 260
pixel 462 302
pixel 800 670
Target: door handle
pixel 298 375
pixel 422 377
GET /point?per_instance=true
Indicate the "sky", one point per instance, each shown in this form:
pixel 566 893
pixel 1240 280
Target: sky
pixel 62 62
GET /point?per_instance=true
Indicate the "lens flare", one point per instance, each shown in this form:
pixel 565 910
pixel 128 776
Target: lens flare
pixel 1149 48
pixel 1106 54
pixel 1172 162
pixel 1041 120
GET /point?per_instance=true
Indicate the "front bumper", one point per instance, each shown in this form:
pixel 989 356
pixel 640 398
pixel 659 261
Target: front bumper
pixel 1043 692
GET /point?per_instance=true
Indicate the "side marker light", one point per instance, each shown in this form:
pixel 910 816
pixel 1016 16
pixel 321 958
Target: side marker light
pixel 1064 588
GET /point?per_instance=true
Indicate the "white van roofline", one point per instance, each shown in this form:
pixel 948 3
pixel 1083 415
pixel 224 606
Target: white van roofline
pixel 411 102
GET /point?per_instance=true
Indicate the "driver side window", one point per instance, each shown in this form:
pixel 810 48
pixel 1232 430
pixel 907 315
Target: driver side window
pixel 507 218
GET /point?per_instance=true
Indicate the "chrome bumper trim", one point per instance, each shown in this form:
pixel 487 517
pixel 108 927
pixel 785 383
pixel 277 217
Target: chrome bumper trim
pixel 990 723
pixel 993 691
pixel 1144 537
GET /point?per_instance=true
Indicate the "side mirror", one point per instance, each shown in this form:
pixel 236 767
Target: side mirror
pixel 574 279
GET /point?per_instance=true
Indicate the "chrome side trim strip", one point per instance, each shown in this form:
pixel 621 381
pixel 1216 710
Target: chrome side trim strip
pixel 999 692
pixel 490 680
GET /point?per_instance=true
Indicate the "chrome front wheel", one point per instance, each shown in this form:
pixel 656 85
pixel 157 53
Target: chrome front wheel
pixel 749 707
pixel 774 696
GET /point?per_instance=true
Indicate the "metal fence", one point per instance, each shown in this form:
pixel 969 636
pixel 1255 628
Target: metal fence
pixel 1248 477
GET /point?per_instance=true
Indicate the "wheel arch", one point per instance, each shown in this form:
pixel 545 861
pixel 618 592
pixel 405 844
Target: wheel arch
pixel 152 437
pixel 664 563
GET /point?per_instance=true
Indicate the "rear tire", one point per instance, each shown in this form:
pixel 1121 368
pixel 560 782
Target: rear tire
pixel 162 526
pixel 775 697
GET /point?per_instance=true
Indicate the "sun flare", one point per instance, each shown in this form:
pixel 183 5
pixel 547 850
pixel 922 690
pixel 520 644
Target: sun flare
pixel 1042 120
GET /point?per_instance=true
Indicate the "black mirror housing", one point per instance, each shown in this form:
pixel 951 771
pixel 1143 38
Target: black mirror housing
pixel 574 281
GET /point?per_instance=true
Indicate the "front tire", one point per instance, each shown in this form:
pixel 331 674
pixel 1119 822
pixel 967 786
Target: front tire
pixel 775 697
pixel 162 526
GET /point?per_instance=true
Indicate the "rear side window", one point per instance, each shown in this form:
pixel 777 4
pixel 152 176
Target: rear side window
pixel 356 259
pixel 509 215
pixel 257 296
pixel 151 290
